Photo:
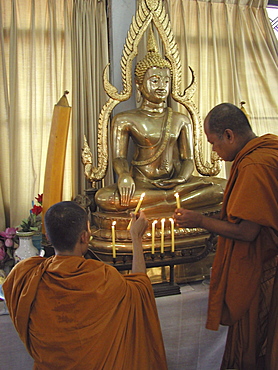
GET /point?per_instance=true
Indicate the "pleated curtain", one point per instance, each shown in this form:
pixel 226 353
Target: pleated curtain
pixel 232 49
pixel 49 46
pixel 46 47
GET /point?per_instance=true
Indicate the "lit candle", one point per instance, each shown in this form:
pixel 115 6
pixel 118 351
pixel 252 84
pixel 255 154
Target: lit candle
pixel 139 203
pixel 172 235
pixel 178 200
pixel 162 235
pixel 153 234
pixel 113 239
pixel 137 208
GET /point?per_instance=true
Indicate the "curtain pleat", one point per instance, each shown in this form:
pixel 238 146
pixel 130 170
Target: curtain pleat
pixel 232 48
pixel 90 56
pixel 36 41
pixel 49 46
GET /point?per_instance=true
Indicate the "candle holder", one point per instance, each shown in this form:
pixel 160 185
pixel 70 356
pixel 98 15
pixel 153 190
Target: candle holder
pixel 152 256
pixel 173 254
pixel 162 255
pixel 114 261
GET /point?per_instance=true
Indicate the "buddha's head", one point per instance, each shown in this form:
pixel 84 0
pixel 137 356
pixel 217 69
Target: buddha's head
pixel 151 59
pixel 153 73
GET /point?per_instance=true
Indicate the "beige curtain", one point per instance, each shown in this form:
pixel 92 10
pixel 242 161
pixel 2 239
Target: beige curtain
pixel 232 48
pixel 36 39
pixel 34 72
pixel 89 56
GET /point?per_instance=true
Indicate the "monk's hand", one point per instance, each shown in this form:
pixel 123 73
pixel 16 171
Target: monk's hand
pixel 139 224
pixel 126 186
pixel 187 218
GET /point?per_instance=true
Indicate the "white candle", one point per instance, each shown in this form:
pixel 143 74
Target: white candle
pixel 137 208
pixel 139 203
pixel 162 235
pixel 178 200
pixel 172 235
pixel 113 239
pixel 153 234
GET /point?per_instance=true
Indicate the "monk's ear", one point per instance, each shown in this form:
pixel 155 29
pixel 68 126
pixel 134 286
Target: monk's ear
pixel 229 135
pixel 85 237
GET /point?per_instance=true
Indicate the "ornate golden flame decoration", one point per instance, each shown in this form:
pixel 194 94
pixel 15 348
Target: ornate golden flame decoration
pixel 148 11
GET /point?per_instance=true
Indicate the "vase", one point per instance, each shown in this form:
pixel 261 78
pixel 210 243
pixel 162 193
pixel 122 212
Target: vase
pixel 37 240
pixel 4 310
pixel 25 248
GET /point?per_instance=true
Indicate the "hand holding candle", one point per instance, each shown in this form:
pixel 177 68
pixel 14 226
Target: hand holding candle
pixel 137 208
pixel 113 239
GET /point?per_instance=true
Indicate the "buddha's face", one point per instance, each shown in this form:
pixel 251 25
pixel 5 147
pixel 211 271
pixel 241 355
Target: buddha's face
pixel 156 84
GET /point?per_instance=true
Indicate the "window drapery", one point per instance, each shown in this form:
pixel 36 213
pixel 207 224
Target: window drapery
pixel 34 72
pixel 36 43
pixel 231 46
pixel 89 58
pixel 50 46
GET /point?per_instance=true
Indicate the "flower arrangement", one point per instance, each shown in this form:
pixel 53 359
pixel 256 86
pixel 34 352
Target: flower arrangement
pixel 7 245
pixel 34 221
pixel 9 237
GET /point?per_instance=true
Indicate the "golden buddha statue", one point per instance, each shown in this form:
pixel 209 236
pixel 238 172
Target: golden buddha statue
pixel 162 162
pixel 167 146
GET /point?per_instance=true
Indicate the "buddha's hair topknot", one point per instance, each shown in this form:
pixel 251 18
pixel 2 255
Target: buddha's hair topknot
pixel 151 59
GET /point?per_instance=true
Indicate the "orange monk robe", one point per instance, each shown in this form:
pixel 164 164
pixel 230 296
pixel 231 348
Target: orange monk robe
pixel 73 313
pixel 235 288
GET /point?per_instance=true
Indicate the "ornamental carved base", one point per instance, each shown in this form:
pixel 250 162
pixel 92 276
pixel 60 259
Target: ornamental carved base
pixel 190 244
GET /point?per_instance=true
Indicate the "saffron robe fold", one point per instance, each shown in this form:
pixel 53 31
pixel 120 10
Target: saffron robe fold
pixel 235 288
pixel 73 313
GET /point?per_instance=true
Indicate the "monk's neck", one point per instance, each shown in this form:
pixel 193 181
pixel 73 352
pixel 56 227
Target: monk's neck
pixel 150 107
pixel 248 138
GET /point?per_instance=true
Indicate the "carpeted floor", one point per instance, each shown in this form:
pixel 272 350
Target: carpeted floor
pixel 189 346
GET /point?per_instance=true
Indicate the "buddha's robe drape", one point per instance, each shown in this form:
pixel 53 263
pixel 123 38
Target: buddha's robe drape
pixel 73 313
pixel 241 287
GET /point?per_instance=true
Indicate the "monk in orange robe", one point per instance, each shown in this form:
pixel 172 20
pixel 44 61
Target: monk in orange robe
pixel 244 280
pixel 77 313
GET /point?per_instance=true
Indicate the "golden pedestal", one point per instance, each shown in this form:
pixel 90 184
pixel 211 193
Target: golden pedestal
pixel 191 259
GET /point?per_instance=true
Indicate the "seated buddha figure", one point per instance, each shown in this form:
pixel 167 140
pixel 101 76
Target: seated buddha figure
pixel 162 162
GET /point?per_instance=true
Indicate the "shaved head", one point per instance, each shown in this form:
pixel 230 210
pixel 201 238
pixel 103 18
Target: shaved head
pixel 227 116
